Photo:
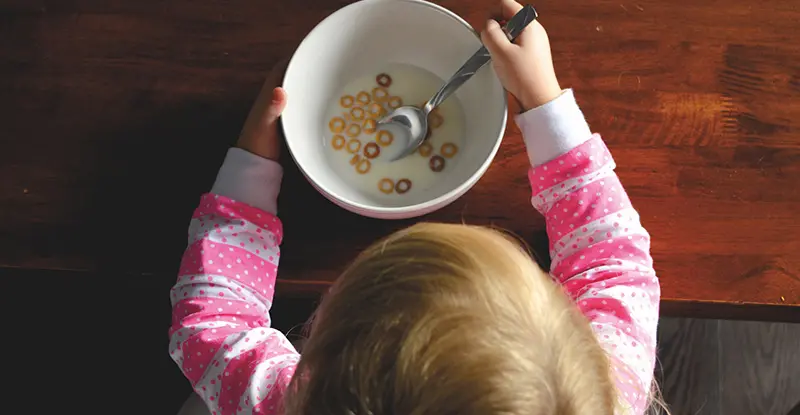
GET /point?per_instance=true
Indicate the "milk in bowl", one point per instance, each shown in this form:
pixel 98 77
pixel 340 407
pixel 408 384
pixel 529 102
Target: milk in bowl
pixel 330 121
pixel 360 151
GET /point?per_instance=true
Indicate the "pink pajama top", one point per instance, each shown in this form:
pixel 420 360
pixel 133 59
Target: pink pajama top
pixel 221 336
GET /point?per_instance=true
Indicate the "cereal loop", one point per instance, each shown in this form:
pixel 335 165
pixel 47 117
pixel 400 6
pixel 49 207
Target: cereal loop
pixel 402 186
pixel 395 102
pixel 436 119
pixel 363 98
pixel 353 130
pixel 384 80
pixel 353 146
pixel 449 150
pixel 370 126
pixel 385 138
pixel 436 163
pixel 363 166
pixel 355 159
pixel 372 150
pixel 338 142
pixel 346 101
pixel 386 185
pixel 380 94
pixel 357 113
pixel 425 149
pixel 337 124
pixel 376 110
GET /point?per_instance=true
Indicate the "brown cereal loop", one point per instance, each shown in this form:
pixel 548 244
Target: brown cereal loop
pixel 376 110
pixel 370 126
pixel 386 185
pixel 402 186
pixel 363 98
pixel 449 150
pixel 395 102
pixel 353 146
pixel 436 163
pixel 363 166
pixel 353 130
pixel 347 101
pixel 372 150
pixel 337 124
pixel 384 138
pixel 357 113
pixel 355 159
pixel 425 149
pixel 380 94
pixel 338 142
pixel 384 80
pixel 436 119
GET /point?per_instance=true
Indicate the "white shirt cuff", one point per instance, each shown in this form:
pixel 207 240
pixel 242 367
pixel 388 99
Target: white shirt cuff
pixel 553 129
pixel 250 179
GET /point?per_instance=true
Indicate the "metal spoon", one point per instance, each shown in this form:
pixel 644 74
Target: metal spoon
pixel 415 119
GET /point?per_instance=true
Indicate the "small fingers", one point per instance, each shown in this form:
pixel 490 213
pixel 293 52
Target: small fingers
pixel 277 104
pixel 495 39
pixel 509 8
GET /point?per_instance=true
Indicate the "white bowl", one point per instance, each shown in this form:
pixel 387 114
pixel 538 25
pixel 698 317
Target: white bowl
pixel 359 38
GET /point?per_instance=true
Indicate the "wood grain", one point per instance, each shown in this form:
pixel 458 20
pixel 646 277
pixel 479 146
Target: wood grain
pixel 759 367
pixel 116 115
pixel 688 368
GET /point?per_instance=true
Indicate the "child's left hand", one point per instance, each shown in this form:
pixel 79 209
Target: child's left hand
pixel 260 134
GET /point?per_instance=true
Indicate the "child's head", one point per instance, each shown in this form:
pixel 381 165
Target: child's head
pixel 449 319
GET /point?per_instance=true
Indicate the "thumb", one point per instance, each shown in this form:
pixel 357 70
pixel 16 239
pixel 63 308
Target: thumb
pixel 495 40
pixel 276 105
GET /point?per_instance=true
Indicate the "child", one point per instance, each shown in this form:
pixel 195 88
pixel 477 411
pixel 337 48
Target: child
pixel 435 319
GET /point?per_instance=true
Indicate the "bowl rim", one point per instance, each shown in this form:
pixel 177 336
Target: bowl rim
pixel 410 210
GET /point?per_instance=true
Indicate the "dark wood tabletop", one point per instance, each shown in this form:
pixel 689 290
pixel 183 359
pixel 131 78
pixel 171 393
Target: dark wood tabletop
pixel 117 114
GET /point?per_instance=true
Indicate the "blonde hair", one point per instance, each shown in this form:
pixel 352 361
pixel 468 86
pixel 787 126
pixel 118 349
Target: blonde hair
pixel 449 319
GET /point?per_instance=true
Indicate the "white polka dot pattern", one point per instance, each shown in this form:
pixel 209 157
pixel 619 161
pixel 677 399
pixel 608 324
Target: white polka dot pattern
pixel 601 254
pixel 220 335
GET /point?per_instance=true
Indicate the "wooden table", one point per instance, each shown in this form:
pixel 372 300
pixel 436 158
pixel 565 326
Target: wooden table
pixel 116 115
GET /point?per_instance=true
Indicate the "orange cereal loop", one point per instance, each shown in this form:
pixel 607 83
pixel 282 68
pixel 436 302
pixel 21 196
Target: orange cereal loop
pixel 425 149
pixel 353 146
pixel 449 150
pixel 384 80
pixel 370 126
pixel 386 185
pixel 353 130
pixel 363 98
pixel 347 101
pixel 436 119
pixel 372 150
pixel 395 102
pixel 363 166
pixel 436 163
pixel 355 159
pixel 380 94
pixel 384 138
pixel 337 124
pixel 357 113
pixel 376 110
pixel 338 142
pixel 402 186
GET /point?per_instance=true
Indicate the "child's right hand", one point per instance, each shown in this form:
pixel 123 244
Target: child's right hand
pixel 525 69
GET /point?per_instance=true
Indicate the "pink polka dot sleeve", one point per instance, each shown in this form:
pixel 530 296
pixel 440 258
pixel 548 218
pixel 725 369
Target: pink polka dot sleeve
pixel 601 254
pixel 220 335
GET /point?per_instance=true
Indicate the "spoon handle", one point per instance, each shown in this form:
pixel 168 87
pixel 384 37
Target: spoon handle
pixel 513 28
